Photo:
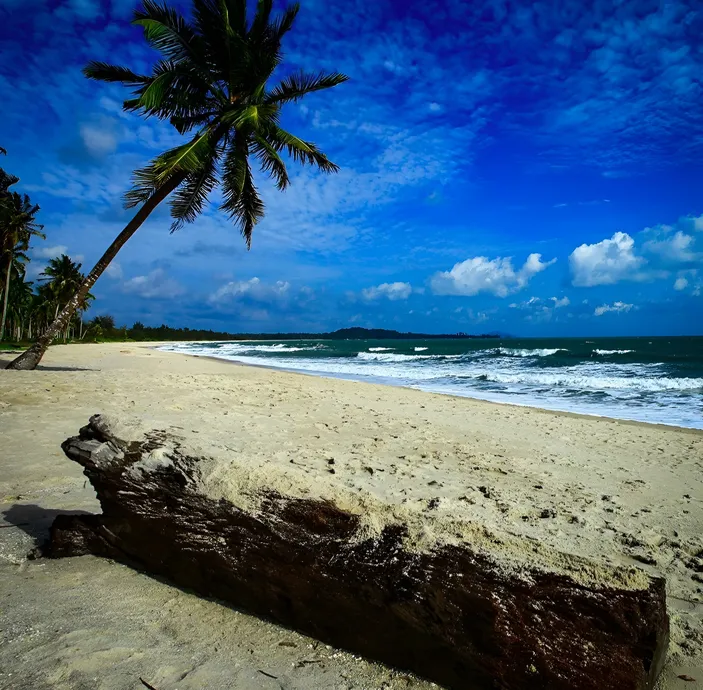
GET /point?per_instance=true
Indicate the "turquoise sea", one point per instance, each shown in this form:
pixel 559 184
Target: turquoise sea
pixel 645 379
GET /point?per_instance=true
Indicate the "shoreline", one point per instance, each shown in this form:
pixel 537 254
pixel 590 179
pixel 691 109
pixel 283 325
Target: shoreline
pixel 616 491
pixel 351 379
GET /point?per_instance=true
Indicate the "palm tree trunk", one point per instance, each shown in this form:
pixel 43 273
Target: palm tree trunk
pixel 5 297
pixel 80 327
pixel 32 356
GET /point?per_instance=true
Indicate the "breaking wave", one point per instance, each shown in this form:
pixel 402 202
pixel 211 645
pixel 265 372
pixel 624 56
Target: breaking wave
pixel 541 352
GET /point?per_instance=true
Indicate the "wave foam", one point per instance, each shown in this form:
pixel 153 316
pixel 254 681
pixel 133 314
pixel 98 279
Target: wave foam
pixel 380 349
pixel 420 349
pixel 573 380
pixel 612 352
pixel 541 352
pixel 389 357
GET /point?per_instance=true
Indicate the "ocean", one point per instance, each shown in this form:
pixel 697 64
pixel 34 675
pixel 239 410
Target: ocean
pixel 646 379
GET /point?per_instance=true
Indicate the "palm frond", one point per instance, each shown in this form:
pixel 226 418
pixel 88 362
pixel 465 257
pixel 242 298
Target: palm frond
pixel 237 11
pixel 249 117
pixel 175 90
pixel 297 86
pixel 102 71
pixel 242 201
pixel 167 31
pixel 279 27
pixel 261 18
pixel 211 25
pixel 271 162
pixel 184 123
pixel 190 198
pixel 3 151
pixel 188 158
pixel 303 152
pixel 144 184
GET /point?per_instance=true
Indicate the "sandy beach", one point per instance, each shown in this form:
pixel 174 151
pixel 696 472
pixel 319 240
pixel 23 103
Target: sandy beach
pixel 620 492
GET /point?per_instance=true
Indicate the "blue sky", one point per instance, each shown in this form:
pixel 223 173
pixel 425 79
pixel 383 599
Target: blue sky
pixel 525 167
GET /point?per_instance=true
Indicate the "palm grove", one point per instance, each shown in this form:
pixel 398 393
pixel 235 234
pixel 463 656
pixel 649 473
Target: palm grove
pixel 213 79
pixel 29 308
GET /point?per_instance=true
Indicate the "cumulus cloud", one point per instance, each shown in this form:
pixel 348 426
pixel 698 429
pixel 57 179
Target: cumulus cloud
pixel 689 280
pixel 676 248
pixel 391 291
pixel 253 289
pixel 480 274
pixel 606 262
pixel 49 252
pixel 617 307
pixel 155 285
pixel 563 302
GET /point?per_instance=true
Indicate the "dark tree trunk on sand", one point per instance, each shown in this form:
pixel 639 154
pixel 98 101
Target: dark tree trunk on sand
pixel 485 611
pixel 31 357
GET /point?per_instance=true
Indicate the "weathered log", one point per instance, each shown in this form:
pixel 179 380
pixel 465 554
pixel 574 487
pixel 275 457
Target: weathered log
pixel 466 607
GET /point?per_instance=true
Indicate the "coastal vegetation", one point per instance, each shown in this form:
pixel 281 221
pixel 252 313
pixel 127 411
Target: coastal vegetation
pixel 213 79
pixel 104 329
pixel 29 307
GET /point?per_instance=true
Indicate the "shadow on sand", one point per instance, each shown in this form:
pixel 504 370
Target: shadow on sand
pixel 9 356
pixel 35 520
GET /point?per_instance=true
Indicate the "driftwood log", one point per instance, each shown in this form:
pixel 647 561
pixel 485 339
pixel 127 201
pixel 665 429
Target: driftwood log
pixel 466 613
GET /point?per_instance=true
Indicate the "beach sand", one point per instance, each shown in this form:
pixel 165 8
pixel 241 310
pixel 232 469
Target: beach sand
pixel 616 491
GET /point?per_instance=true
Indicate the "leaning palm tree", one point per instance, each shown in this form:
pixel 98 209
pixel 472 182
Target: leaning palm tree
pixel 214 80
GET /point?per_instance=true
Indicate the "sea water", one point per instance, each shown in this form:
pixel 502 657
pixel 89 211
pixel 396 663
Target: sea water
pixel 644 379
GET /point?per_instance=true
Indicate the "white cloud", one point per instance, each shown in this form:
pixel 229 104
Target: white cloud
pixel 681 283
pixel 114 270
pixel 541 310
pixel 676 248
pixel 435 107
pixel 252 288
pixel 606 262
pixel 99 140
pixel 48 252
pixel 155 285
pixel 481 274
pixel 392 291
pixel 617 307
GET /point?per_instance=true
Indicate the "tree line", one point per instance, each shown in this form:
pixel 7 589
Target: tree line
pixel 29 307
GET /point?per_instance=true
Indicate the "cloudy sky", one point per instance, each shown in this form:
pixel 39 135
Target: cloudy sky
pixel 516 166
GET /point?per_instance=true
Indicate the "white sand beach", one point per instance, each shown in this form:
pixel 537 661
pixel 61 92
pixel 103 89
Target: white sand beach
pixel 620 492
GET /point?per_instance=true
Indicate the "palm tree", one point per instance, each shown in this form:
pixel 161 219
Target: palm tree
pixel 17 228
pixel 21 306
pixel 6 180
pixel 62 278
pixel 213 79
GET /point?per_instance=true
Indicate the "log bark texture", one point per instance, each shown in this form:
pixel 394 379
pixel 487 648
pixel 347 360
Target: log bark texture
pixel 452 614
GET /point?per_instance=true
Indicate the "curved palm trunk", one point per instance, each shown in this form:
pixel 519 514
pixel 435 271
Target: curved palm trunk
pixel 31 357
pixel 4 302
